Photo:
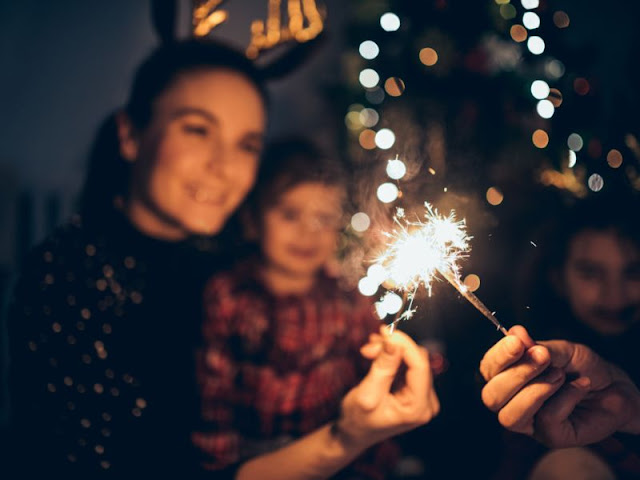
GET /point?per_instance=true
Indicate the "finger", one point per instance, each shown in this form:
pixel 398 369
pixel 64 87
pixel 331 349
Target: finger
pixel 371 350
pixel 503 354
pixel 418 377
pixel 503 386
pixel 581 360
pixel 518 414
pixel 521 332
pixel 552 424
pixel 377 383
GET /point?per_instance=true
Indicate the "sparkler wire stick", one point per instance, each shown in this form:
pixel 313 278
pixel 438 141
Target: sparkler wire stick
pixel 475 301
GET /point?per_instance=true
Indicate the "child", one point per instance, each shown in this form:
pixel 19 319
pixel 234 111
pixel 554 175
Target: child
pixel 281 337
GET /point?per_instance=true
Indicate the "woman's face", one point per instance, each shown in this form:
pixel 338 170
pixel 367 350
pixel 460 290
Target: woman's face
pixel 196 160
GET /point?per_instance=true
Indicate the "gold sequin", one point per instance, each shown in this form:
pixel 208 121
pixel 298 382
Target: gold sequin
pixel 141 402
pixel 101 284
pixel 136 412
pixel 106 417
pixel 85 313
pixel 85 423
pixel 98 388
pixel 99 449
pixel 68 381
pixel 104 464
pixel 90 250
pixel 56 327
pixel 51 387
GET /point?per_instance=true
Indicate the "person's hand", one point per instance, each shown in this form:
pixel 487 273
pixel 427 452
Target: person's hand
pixel 561 393
pixel 378 408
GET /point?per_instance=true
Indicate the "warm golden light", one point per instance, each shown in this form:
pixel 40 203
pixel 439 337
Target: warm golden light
pixel 394 86
pixel 555 97
pixel 367 139
pixel 472 282
pixel 494 196
pixel 540 138
pixel 428 56
pixel 518 33
pixel 614 158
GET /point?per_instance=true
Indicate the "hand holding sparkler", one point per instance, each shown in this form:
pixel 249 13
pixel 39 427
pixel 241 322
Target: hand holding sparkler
pixel 419 250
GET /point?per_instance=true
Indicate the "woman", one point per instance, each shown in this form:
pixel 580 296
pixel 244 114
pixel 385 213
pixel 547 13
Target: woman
pixel 107 313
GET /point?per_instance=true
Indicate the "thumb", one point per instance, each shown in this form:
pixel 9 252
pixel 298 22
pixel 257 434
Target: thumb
pixel 377 383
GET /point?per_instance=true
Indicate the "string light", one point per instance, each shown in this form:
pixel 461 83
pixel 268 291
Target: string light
pixel 387 192
pixel 531 20
pixel 540 89
pixel 360 222
pixel 545 109
pixel 390 22
pixel 535 45
pixel 369 78
pixel 369 49
pixel 385 139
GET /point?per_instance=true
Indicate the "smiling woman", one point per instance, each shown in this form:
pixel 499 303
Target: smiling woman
pixel 107 311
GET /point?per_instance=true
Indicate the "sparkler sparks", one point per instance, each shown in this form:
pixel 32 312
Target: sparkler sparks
pixel 418 250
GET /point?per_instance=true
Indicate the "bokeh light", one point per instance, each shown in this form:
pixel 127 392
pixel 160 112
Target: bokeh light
pixel 367 139
pixel 394 86
pixel 540 138
pixel 377 273
pixel 554 69
pixel 595 182
pixel 390 22
pixel 555 97
pixel 375 95
pixel 494 196
pixel 352 121
pixel 360 222
pixel 581 86
pixel 614 158
pixel 518 33
pixel 535 45
pixel 367 286
pixel 385 138
pixel 573 158
pixel 575 142
pixel 531 20
pixel 396 169
pixel 545 109
pixel 368 117
pixel 369 78
pixel 369 49
pixel 540 89
pixel 428 56
pixel 387 192
pixel 472 282
pixel 530 4
pixel 561 19
pixel 392 303
pixel 508 11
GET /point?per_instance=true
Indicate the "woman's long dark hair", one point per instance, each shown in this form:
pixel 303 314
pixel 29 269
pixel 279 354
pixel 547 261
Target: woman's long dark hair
pixel 108 174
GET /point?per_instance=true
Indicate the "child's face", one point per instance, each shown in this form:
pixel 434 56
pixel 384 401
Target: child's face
pixel 300 231
pixel 601 280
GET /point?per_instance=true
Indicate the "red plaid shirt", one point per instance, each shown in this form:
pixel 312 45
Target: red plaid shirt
pixel 274 368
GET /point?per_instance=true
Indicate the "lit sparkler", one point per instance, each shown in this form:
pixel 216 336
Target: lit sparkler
pixel 419 250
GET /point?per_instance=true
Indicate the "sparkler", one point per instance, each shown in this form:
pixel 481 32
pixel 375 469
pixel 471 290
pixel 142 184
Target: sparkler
pixel 419 250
